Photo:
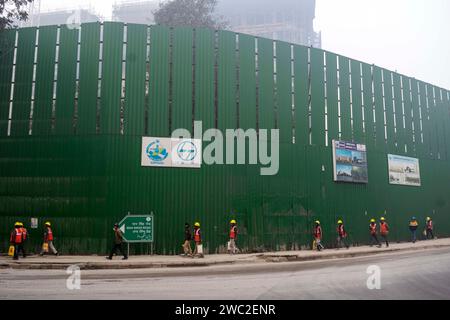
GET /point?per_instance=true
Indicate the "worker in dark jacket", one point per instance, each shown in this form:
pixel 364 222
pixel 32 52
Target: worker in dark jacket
pixel 187 240
pixel 16 240
pixel 413 225
pixel 118 240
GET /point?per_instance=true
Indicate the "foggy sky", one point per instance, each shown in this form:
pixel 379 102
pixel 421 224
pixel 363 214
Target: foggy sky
pixel 410 36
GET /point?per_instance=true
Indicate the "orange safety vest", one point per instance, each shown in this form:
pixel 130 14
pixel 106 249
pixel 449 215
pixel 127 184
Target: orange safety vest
pixel 430 225
pixel 373 228
pixel 341 231
pixel 18 236
pixel 197 237
pixel 384 228
pixel 318 232
pixel 49 234
pixel 233 232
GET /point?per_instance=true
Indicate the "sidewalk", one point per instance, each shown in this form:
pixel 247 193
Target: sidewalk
pixel 156 261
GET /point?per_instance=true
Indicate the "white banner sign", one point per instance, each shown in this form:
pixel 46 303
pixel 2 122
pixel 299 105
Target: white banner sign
pixel 404 170
pixel 168 152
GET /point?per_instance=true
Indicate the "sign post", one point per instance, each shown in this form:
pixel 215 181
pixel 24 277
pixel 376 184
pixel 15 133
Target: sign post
pixel 137 229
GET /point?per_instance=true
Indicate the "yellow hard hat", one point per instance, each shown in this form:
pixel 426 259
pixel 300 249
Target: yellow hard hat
pixel 428 218
pixel 233 221
pixel 317 221
pixel 17 223
pixel 340 222
pixel 382 219
pixel 21 224
pixel 197 224
pixel 48 224
pixel 372 220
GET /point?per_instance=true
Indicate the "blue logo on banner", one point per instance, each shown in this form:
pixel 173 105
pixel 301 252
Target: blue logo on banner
pixel 156 152
pixel 187 151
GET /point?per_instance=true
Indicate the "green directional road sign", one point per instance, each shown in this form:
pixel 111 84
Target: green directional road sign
pixel 137 228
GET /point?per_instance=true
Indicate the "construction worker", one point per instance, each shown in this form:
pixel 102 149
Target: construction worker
pixel 384 230
pixel 429 228
pixel 118 240
pixel 318 235
pixel 342 235
pixel 187 240
pixel 413 225
pixel 232 248
pixel 373 233
pixel 198 240
pixel 16 239
pixel 48 239
pixel 25 237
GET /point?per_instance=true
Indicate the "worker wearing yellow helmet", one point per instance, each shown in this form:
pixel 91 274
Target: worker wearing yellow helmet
pixel 198 241
pixel 342 235
pixel 16 241
pixel 232 248
pixel 429 228
pixel 48 240
pixel 318 236
pixel 373 233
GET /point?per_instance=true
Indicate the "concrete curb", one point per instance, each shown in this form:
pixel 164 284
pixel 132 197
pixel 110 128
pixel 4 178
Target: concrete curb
pixel 261 257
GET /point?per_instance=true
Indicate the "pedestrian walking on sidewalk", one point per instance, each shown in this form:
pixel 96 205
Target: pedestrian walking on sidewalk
pixel 373 233
pixel 318 236
pixel 413 225
pixel 118 240
pixel 16 240
pixel 198 241
pixel 384 230
pixel 232 248
pixel 429 229
pixel 48 240
pixel 187 240
pixel 342 235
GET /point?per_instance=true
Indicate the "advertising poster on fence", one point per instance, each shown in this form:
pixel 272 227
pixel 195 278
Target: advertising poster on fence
pixel 349 162
pixel 404 170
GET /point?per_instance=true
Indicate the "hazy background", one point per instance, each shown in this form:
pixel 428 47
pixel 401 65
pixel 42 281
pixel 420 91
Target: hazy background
pixel 410 36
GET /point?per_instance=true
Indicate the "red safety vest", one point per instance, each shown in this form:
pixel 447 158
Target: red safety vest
pixel 233 232
pixel 430 225
pixel 384 228
pixel 24 231
pixel 18 236
pixel 373 228
pixel 341 231
pixel 49 236
pixel 318 232
pixel 197 237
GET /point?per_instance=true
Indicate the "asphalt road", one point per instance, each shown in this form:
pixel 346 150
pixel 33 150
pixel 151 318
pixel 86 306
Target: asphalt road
pixel 423 274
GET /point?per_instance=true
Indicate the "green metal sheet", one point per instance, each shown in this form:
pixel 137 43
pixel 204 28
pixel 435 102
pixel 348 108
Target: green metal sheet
pixel 89 65
pixel 227 110
pixel 379 109
pixel 317 98
pixel 159 81
pixel 134 112
pixel 247 82
pixel 266 109
pixel 357 101
pixel 45 70
pixel 66 81
pixel 284 92
pixel 204 77
pixel 182 79
pixel 418 145
pixel 344 86
pixel 301 88
pixel 7 44
pixel 408 131
pixel 23 82
pixel 111 78
pixel 400 135
pixel 368 105
pixel 332 98
pixel 390 123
